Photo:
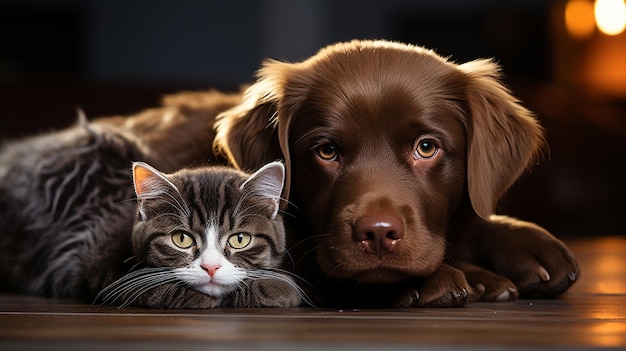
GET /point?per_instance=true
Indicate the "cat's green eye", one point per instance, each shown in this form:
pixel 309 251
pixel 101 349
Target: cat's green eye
pixel 239 240
pixel 183 240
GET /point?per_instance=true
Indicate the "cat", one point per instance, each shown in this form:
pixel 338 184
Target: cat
pixel 197 238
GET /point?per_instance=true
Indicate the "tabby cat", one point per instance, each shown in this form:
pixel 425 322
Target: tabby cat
pixel 197 238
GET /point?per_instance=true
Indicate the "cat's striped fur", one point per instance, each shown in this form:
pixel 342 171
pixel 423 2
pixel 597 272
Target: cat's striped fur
pixel 69 226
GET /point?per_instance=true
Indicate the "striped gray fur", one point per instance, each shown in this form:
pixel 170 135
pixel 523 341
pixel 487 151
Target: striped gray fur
pixel 70 226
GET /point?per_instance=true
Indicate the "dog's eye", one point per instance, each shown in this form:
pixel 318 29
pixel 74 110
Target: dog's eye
pixel 425 149
pixel 327 152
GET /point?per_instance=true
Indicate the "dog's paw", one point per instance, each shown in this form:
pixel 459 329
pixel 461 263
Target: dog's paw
pixel 539 264
pixel 550 271
pixel 488 286
pixel 446 287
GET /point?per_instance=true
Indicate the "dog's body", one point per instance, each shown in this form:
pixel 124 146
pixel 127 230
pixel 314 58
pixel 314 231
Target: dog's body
pixel 396 159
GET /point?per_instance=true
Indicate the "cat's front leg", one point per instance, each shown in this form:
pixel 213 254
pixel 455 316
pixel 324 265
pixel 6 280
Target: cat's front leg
pixel 268 292
pixel 173 296
pixel 446 287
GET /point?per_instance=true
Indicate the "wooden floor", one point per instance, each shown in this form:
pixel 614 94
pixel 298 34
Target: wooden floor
pixel 591 315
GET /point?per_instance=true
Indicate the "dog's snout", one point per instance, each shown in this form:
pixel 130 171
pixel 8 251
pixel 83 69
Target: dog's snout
pixel 378 234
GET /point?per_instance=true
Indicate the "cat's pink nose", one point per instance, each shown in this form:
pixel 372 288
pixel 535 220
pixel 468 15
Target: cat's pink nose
pixel 211 269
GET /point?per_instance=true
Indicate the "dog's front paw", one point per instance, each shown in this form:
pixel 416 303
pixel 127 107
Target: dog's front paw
pixel 446 287
pixel 550 271
pixel 487 285
pixel 539 264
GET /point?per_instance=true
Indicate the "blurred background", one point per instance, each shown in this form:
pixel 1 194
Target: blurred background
pixel 565 59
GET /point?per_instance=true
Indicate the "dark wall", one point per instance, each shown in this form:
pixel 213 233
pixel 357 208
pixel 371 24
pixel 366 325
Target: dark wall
pixel 118 56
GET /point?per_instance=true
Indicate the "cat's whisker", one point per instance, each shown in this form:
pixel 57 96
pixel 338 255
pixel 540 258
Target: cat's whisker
pixel 312 247
pixel 167 214
pixel 290 203
pixel 130 297
pixel 134 199
pixel 122 287
pixel 265 189
pixel 306 255
pixel 181 204
pixel 172 200
pixel 246 215
pixel 128 288
pixel 305 240
pixel 308 252
pixel 175 285
pixel 252 208
pixel 285 213
pixel 242 285
pixel 143 288
pixel 239 204
pixel 130 259
pixel 284 271
pixel 289 257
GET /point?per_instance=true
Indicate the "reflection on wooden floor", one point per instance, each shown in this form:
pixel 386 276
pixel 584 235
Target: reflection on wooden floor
pixel 592 314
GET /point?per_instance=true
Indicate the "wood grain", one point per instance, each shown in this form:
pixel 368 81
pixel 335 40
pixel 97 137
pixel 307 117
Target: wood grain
pixel 592 314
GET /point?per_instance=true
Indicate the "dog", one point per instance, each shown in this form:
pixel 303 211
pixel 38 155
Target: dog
pixel 396 159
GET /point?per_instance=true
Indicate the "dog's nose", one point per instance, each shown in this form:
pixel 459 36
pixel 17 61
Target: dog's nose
pixel 378 234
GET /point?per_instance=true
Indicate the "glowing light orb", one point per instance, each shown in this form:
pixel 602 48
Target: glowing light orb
pixel 610 16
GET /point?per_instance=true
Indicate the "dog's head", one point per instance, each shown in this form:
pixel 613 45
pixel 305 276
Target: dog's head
pixel 383 143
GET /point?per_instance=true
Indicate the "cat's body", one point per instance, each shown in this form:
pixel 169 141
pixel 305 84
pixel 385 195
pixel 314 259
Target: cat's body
pixel 69 226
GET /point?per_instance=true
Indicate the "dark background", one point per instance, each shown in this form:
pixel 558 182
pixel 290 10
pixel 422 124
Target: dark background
pixel 118 56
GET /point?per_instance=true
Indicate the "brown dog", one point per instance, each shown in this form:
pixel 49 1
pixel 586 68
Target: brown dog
pixel 396 160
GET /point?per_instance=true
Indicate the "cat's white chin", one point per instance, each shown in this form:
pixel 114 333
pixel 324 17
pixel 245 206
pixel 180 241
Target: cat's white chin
pixel 227 279
pixel 214 289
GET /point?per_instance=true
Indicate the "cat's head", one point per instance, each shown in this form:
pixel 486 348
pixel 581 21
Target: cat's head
pixel 213 225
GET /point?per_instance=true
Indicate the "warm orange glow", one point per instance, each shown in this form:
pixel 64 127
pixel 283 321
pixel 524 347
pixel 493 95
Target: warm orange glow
pixel 610 16
pixel 611 281
pixel 605 68
pixel 579 19
pixel 609 334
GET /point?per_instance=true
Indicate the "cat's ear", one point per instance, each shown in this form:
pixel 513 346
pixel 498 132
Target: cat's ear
pixel 149 184
pixel 267 183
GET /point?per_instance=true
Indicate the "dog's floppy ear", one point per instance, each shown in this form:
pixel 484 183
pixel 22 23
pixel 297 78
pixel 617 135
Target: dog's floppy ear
pixel 246 134
pixel 504 139
pixel 254 132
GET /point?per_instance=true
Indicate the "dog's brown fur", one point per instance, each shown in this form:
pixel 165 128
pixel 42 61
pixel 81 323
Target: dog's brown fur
pixel 376 223
pixel 181 132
